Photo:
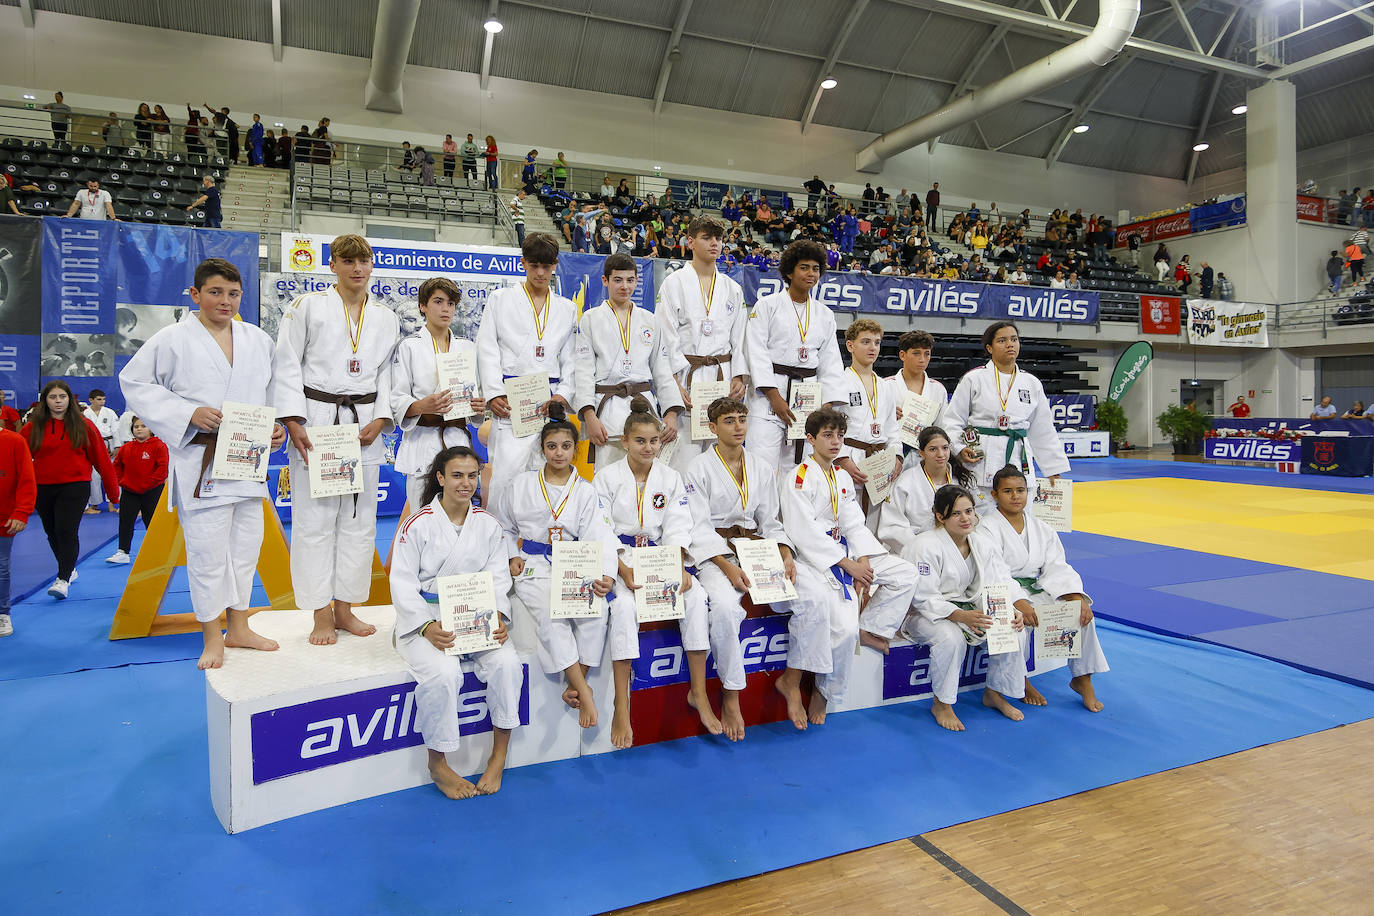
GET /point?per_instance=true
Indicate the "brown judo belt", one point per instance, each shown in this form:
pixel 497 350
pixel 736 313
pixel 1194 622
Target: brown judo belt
pixel 696 362
pixel 793 374
pixel 869 449
pixel 623 390
pixel 739 531
pixel 207 456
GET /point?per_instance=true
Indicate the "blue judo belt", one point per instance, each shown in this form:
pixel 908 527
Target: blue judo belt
pixel 430 597
pixel 540 549
pixel 844 578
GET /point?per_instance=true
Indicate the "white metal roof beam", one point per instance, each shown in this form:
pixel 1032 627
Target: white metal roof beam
pixel 276 30
pixel 1346 5
pixel 1324 58
pixel 1226 42
pixel 671 53
pixel 484 78
pixel 26 12
pixel 1187 26
pixel 842 36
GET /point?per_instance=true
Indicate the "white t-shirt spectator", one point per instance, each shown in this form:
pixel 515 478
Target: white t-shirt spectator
pixel 1324 413
pixel 93 203
pixel 517 210
pixel 1019 276
pixel 1057 283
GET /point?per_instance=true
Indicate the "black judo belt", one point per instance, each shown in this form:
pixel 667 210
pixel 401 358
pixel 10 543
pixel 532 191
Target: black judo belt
pixel 340 401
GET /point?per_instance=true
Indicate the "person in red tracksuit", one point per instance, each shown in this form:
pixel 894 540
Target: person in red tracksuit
pixel 9 417
pixel 16 503
pixel 65 447
pixel 141 464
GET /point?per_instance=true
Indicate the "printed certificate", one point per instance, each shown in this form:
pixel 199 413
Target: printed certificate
pixel 762 563
pixel 879 467
pixel 576 565
pixel 467 609
pixel 997 605
pixel 458 373
pixel 918 412
pixel 1054 504
pixel 526 394
pixel 336 460
pixel 1057 635
pixel 806 397
pixel 658 573
pixel 703 393
pixel 243 442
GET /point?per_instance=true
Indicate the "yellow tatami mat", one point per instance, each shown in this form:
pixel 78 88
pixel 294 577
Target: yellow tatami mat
pixel 1324 532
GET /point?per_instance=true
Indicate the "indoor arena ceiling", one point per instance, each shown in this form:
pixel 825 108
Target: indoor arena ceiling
pixel 1190 62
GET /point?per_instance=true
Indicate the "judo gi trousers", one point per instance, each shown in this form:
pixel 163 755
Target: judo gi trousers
pixel 1006 672
pixel 439 680
pixel 624 625
pixel 332 540
pixel 222 545
pixel 562 641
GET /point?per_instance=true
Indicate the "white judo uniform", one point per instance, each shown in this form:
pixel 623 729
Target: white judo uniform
pixel 1037 562
pixel 333 538
pixel 822 518
pixel 615 362
pixel 513 340
pixel 982 397
pixel 705 324
pixel 909 509
pixel 932 390
pixel 945 580
pixel 107 421
pixel 714 498
pixel 428 546
pixel 179 369
pixel 872 413
pixel 415 375
pixel 658 515
pixel 527 517
pixel 786 342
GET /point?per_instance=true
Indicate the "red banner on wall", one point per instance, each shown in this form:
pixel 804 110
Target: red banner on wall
pixel 1161 315
pixel 1314 209
pixel 1161 227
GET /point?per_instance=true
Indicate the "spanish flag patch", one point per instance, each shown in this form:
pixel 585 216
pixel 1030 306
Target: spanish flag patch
pixel 801 476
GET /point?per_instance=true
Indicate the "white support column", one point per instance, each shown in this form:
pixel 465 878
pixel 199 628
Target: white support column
pixel 1271 177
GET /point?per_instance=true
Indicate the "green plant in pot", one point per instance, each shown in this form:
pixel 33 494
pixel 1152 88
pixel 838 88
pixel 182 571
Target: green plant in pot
pixel 1111 419
pixel 1184 427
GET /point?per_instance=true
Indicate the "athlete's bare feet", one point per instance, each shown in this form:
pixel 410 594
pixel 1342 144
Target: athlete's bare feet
pixel 731 719
pixel 345 619
pixel 944 714
pixel 323 634
pixel 213 655
pixel 622 735
pixel 789 685
pixel 1083 686
pixel 586 710
pixel 243 638
pixel 815 710
pixel 874 641
pixel 570 697
pixel 1034 697
pixel 702 704
pixel 994 700
pixel 447 781
pixel 490 783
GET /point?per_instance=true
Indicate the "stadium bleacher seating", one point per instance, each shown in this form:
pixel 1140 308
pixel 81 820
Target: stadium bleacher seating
pixel 341 189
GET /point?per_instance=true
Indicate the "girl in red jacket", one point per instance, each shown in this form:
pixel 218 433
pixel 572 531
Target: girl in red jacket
pixel 65 447
pixel 16 502
pixel 142 467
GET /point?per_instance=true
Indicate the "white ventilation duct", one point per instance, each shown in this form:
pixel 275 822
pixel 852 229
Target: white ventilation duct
pixel 1116 21
pixel 390 49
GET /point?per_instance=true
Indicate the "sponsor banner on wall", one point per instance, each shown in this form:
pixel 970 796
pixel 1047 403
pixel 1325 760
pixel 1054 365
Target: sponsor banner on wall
pixel 1073 410
pixel 21 284
pixel 109 286
pixel 1250 448
pixel 1129 365
pixel 579 278
pixel 1160 227
pixel 1297 424
pixel 1214 323
pixel 1338 456
pixel 303 252
pixel 1314 209
pixel 1214 216
pixel 1161 314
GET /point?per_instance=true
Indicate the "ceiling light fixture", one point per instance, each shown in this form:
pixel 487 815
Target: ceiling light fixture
pixel 1082 129
pixel 30 96
pixel 1240 109
pixel 493 25
pixel 1201 147
pixel 829 83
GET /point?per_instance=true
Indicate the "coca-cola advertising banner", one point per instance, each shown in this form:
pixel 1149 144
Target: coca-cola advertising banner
pixel 1314 209
pixel 1161 227
pixel 1161 315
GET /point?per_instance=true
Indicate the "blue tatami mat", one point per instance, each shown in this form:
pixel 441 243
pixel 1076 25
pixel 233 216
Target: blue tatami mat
pixel 32 567
pixel 110 811
pixel 1160 612
pixel 1334 644
pixel 1285 593
pixel 1169 566
pixel 1132 468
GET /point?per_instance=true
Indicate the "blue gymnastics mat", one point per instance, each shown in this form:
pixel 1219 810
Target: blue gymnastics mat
pixel 1134 468
pixel 107 806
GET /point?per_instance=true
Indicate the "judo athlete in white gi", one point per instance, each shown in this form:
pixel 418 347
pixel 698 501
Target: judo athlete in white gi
pixel 417 406
pixel 1036 558
pixel 536 509
pixel 907 511
pixel 177 382
pixel 333 365
pixel 447 536
pixel 621 352
pixel 869 405
pixel 821 515
pixel 953 563
pixel 1008 410
pixel 790 337
pixel 914 348
pixel 647 501
pixel 701 312
pixel 733 494
pixel 107 421
pixel 524 329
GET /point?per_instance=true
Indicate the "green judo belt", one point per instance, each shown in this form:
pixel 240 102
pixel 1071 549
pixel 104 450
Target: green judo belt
pixel 1012 436
pixel 1028 583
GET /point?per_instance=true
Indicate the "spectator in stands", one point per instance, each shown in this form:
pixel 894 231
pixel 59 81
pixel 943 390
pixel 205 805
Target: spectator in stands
pixel 1162 262
pixel 974 214
pixel 1226 290
pixel 1183 273
pixel 607 192
pixel 93 203
pixel 323 143
pixel 933 207
pixel 517 215
pixel 1205 281
pixel 881 199
pixel 284 150
pixel 269 150
pixel 61 114
pixel 867 199
pixel 1072 281
pixel 18 492
pixel 195 144
pixel 1133 246
pixel 1354 256
pixel 468 152
pixel 1335 268
pixel 1058 281
pixel 1356 412
pixel 623 197
pixel 256 138
pixel 230 129
pixel 529 171
pixel 408 163
pixel 1240 410
pixel 1099 237
pixel 1325 410
pixel 209 196
pixel 112 132
pixel 304 145
pixel 141 465
pixel 450 151
pixel 9 417
pixel 903 200
pixel 1344 204
pixel 1367 208
pixel 1019 276
pixel 814 189
pixel 560 172
pixel 425 159
pixel 1043 263
pixel 490 153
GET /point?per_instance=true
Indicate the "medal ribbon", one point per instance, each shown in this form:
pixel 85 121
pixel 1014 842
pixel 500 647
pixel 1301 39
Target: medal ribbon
pixel 539 324
pixel 834 493
pixel 803 327
pixel 933 488
pixel 438 379
pixel 355 338
pixel 572 481
pixel 624 328
pixel 639 501
pixel 872 396
pixel 708 296
pixel 997 377
pixel 741 485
